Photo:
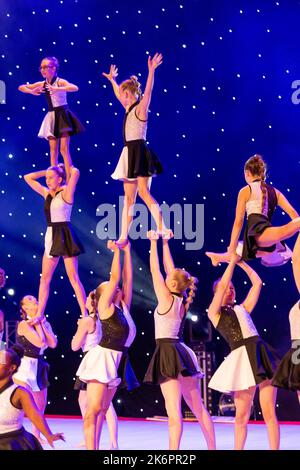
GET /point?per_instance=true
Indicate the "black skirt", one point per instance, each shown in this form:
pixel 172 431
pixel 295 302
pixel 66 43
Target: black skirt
pixel 42 374
pixel 169 359
pixel 19 440
pixel 64 240
pixel 66 122
pixel 142 161
pixel 256 225
pixel 263 359
pixel 287 374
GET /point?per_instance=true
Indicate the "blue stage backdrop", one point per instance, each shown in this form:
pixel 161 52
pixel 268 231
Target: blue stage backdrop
pixel 223 93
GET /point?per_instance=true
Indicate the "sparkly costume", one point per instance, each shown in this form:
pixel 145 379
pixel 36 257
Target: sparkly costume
pixel 136 158
pixel 60 238
pixel 60 120
pixel 171 356
pixel 250 361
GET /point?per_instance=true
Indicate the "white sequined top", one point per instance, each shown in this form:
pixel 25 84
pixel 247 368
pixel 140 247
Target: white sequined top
pixel 60 210
pixel 135 129
pixel 246 324
pixel 11 418
pixel 254 205
pixel 92 339
pixel 168 324
pixel 59 98
pixel 294 318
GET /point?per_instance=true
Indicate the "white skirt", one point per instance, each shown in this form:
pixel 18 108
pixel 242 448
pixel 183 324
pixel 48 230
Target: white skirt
pixel 27 373
pixel 47 127
pixel 281 255
pixel 100 364
pixel 234 374
pixel 48 241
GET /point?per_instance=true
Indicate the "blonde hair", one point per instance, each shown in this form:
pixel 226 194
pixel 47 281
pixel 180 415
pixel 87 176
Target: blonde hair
pixel 185 282
pixel 133 85
pixel 60 171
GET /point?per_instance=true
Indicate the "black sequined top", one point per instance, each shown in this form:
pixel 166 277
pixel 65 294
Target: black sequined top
pixel 233 327
pixel 29 349
pixel 115 331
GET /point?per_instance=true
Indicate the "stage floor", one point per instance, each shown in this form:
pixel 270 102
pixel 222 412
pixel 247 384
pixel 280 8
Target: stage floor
pixel 135 434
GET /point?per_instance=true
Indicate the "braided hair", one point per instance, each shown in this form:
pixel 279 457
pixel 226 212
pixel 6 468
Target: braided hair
pixel 257 167
pixel 186 282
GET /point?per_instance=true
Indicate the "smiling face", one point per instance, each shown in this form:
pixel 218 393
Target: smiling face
pixel 53 180
pixel 47 69
pixel 30 305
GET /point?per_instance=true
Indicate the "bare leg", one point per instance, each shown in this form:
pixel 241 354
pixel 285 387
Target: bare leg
pixel 130 191
pixel 192 395
pixel 65 151
pixel 53 144
pixel 243 401
pixel 82 401
pixel 40 399
pixel 151 203
pixel 96 397
pixel 48 268
pixel 112 424
pixel 171 390
pixel 298 393
pixel 273 235
pixel 113 439
pixel 71 265
pixel 267 399
pixel 296 263
pixel 217 258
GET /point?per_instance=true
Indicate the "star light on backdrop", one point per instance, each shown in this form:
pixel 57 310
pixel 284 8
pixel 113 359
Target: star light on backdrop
pixel 223 93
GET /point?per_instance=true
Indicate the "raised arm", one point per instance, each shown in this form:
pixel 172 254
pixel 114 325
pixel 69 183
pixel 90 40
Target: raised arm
pixel 254 293
pixel 69 190
pixel 296 263
pixel 142 108
pixel 84 325
pixel 23 398
pixel 34 334
pixel 216 304
pixel 1 321
pixel 109 291
pixel 127 276
pixel 162 293
pixel 285 205
pixel 167 257
pixel 32 88
pixel 31 180
pixel 243 197
pixel 111 76
pixel 50 337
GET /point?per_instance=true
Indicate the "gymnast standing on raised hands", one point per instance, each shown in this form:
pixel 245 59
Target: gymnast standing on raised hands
pixel 137 163
pixel 174 365
pixel 261 240
pixel 60 238
pixel 60 123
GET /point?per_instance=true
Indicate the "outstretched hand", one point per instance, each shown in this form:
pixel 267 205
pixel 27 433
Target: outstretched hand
pixel 37 91
pixel 155 62
pixel 55 437
pixel 52 89
pixel 113 73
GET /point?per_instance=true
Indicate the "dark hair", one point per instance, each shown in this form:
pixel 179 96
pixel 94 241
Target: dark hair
pixel 133 85
pixel 16 352
pixel 22 311
pixel 258 167
pixel 54 61
pixel 60 171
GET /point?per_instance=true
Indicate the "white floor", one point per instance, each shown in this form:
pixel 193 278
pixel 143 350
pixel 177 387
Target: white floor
pixel 149 435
